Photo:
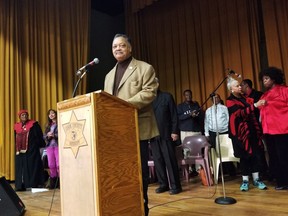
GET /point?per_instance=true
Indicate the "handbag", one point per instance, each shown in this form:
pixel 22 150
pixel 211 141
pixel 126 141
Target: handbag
pixel 203 177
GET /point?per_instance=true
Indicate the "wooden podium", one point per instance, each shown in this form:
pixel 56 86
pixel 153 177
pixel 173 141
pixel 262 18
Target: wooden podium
pixel 99 156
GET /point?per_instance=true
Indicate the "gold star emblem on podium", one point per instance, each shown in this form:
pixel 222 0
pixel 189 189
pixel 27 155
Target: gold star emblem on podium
pixel 74 134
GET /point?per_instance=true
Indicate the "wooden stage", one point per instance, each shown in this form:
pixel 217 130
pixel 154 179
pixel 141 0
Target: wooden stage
pixel 194 200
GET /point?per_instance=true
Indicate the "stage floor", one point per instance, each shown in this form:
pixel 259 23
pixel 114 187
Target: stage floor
pixel 195 199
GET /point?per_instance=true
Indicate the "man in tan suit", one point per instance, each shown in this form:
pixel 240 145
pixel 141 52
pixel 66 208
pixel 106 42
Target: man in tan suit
pixel 134 81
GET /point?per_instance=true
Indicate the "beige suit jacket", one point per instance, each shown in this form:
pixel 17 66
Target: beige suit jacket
pixel 138 87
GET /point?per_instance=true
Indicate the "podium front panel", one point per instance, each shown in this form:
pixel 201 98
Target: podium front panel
pixel 100 168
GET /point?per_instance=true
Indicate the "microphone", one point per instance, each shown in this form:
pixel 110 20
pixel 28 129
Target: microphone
pixel 233 72
pixel 85 67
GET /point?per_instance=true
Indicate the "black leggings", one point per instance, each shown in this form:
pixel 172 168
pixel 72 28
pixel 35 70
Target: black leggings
pixel 277 146
pixel 251 164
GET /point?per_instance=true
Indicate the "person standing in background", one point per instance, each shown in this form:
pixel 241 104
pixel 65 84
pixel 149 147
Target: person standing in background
pixel 210 127
pixel 51 139
pixel 134 81
pixel 191 120
pixel 190 116
pixel 249 91
pixel 163 147
pixel 274 117
pixel 28 141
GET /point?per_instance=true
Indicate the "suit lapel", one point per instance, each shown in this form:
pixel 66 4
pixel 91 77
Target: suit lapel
pixel 110 83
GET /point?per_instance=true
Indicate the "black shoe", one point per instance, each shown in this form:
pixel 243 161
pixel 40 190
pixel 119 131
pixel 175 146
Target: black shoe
pixel 281 187
pixel 175 191
pixel 162 189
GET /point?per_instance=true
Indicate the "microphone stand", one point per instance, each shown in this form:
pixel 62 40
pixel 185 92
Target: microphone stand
pixel 220 200
pixel 77 84
pixel 213 93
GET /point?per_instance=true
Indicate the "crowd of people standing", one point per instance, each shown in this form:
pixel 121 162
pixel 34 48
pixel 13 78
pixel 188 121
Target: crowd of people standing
pixel 256 122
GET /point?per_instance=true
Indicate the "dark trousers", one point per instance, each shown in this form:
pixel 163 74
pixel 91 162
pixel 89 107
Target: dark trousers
pixel 144 151
pixel 251 164
pixel 29 170
pixel 164 157
pixel 212 138
pixel 277 146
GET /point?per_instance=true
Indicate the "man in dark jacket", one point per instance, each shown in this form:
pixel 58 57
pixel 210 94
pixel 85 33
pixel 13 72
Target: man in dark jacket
pixel 249 91
pixel 190 115
pixel 163 147
pixel 191 120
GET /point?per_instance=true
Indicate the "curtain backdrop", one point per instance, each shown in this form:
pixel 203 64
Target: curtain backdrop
pixel 192 43
pixel 275 13
pixel 42 43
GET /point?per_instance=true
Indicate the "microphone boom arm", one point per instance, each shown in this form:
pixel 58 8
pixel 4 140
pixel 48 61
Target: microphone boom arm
pixel 213 93
pixel 77 84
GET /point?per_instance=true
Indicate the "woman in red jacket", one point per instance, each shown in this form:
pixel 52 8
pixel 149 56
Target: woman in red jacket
pixel 274 117
pixel 246 135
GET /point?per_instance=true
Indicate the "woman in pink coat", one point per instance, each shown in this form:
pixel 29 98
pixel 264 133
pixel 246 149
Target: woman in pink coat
pixel 51 139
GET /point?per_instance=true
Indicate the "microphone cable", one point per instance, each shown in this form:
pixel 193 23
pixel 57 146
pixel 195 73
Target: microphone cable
pixel 53 195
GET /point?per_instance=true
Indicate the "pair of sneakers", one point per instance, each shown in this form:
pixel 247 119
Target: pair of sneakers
pixel 257 183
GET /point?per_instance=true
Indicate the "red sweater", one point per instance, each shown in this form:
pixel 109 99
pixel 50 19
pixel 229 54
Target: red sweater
pixel 274 115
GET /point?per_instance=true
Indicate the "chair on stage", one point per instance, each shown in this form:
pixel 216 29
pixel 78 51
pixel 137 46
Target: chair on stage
pixel 227 154
pixel 195 151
